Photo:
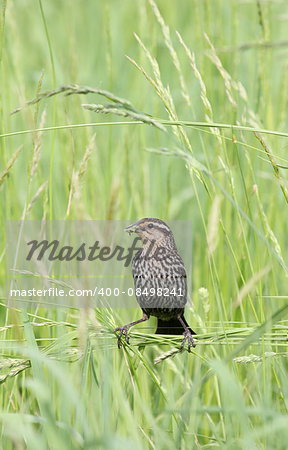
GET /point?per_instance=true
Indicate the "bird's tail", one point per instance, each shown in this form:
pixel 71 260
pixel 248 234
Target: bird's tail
pixel 172 326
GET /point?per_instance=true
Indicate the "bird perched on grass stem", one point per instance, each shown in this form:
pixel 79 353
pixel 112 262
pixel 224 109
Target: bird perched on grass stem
pixel 160 281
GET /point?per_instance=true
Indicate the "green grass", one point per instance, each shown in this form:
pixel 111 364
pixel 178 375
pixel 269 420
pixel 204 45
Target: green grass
pixel 195 128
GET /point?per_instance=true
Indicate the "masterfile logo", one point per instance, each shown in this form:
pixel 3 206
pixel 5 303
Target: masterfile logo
pixel 88 261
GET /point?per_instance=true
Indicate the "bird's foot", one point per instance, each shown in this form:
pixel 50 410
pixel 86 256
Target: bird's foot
pixel 188 337
pixel 123 332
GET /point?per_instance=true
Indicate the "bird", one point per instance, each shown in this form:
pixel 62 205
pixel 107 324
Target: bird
pixel 160 281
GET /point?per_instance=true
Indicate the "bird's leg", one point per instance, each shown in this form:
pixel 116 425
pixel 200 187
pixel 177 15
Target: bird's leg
pixel 124 330
pixel 187 336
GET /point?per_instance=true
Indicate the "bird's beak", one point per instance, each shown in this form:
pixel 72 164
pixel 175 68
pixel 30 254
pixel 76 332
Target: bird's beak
pixel 134 228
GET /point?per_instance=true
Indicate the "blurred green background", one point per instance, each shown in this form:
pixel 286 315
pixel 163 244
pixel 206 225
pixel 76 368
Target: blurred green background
pixel 198 61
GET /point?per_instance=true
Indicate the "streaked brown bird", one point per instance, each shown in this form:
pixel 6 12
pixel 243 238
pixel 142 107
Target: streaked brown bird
pixel 160 281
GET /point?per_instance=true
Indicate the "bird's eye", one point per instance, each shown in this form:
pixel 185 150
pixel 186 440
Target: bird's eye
pixel 150 225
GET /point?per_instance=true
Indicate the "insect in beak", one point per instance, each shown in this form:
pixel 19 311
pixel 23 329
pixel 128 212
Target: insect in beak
pixel 134 228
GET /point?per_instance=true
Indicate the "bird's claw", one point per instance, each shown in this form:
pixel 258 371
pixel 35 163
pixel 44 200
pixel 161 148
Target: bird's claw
pixel 188 337
pixel 123 332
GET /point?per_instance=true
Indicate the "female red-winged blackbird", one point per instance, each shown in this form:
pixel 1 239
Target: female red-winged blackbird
pixel 159 280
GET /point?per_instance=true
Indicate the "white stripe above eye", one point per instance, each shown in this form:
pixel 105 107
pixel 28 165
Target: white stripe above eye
pixel 156 222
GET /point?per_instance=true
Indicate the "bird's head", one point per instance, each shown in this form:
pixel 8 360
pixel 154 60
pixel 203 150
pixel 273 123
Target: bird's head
pixel 151 230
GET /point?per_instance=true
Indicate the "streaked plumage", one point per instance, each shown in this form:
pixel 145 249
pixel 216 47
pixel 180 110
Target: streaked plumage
pixel 157 270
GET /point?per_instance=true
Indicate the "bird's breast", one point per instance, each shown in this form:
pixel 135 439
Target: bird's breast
pixel 160 284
